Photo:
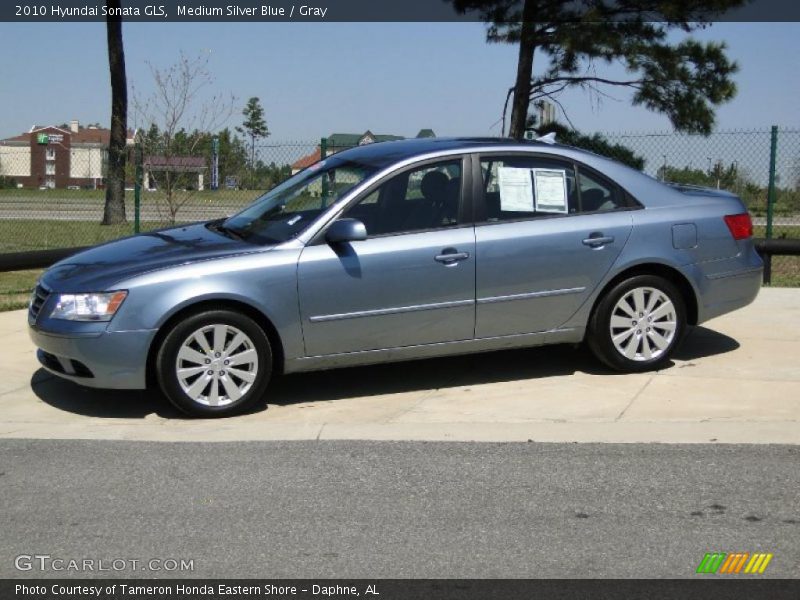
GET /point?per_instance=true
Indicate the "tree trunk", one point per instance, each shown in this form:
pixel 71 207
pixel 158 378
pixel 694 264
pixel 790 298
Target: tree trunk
pixel 522 87
pixel 114 211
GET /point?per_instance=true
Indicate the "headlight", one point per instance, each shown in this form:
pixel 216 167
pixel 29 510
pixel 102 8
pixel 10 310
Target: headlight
pixel 88 307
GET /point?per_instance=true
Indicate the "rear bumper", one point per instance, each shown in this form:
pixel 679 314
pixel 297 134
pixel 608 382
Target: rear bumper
pixel 113 360
pixel 728 285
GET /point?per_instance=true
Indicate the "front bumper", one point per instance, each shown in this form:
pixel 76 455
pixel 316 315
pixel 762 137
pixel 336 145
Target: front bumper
pixel 113 360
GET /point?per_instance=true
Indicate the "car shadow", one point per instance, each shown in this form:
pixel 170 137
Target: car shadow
pixel 701 342
pixel 435 373
pixel 110 404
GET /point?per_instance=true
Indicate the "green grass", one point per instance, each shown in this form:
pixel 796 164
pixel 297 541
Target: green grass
pixel 786 271
pixel 778 231
pixel 43 195
pixel 23 235
pixel 16 287
pixel 204 198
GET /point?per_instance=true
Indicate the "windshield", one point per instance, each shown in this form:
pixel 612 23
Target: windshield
pixel 285 211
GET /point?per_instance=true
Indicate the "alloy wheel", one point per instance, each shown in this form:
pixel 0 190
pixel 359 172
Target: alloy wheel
pixel 643 324
pixel 216 365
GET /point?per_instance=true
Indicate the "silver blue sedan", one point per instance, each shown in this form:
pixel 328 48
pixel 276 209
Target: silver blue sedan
pixel 395 251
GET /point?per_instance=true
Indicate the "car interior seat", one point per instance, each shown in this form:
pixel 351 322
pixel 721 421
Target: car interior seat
pixel 434 192
pixel 592 199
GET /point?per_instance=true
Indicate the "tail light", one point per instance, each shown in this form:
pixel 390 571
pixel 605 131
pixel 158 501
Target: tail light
pixel 740 225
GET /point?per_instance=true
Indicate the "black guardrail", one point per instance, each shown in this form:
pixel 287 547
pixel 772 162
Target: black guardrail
pixel 780 247
pixel 36 259
pixel 775 247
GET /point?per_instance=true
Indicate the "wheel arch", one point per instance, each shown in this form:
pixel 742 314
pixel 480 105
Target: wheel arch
pixel 258 316
pixel 669 273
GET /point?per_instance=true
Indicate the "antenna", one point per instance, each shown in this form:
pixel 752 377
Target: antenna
pixel 550 138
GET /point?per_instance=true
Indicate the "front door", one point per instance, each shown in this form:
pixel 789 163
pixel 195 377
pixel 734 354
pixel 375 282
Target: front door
pixel 411 282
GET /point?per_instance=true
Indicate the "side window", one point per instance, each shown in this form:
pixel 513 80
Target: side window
pixel 423 198
pixel 597 194
pixel 520 187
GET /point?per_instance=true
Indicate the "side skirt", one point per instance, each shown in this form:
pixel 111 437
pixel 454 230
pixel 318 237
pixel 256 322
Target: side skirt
pixel 370 357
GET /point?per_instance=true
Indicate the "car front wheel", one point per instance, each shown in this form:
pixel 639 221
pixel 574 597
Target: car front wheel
pixel 638 324
pixel 214 364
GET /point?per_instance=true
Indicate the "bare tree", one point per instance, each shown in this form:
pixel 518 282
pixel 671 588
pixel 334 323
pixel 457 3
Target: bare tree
pixel 176 120
pixel 114 210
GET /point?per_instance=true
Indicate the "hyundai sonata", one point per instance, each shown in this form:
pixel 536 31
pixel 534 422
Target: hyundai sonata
pixel 394 251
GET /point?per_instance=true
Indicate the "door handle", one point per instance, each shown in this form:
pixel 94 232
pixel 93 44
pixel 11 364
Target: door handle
pixel 597 239
pixel 450 256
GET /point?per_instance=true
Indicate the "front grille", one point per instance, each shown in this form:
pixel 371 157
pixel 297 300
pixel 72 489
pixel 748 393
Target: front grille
pixel 68 366
pixel 38 298
pixel 50 361
pixel 81 370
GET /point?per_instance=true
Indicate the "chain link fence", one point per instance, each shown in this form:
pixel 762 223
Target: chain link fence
pixel 52 202
pixel 52 197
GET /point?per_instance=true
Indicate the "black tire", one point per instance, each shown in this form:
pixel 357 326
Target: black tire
pixel 167 365
pixel 599 333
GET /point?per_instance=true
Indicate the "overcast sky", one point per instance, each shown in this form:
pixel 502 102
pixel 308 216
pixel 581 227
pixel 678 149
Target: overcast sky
pixel 317 79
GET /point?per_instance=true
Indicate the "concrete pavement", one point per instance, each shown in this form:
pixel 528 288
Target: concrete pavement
pixel 735 380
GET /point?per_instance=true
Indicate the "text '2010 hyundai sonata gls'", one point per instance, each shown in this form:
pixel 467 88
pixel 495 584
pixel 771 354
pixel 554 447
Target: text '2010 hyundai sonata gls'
pixel 400 250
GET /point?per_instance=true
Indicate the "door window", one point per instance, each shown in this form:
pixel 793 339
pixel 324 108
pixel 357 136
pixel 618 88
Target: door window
pixel 423 198
pixel 523 187
pixel 598 195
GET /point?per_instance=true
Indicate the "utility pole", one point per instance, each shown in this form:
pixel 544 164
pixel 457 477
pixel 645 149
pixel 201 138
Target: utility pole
pixel 215 163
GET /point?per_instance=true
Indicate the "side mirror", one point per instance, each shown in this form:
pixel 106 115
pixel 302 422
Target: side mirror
pixel 346 230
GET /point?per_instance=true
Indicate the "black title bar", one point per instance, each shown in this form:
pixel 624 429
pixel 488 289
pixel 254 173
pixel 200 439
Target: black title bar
pixel 709 588
pixel 159 11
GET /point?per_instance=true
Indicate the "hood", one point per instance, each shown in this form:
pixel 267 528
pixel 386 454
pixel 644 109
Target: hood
pixel 103 266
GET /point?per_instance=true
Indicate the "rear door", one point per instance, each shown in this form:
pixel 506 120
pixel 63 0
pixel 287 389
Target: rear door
pixel 546 234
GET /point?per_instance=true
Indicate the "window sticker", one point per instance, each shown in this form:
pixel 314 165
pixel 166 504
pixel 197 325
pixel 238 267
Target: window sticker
pixel 551 190
pixel 516 189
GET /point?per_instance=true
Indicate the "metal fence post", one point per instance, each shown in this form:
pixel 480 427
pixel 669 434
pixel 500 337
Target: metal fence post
pixel 773 151
pixel 323 151
pixel 137 189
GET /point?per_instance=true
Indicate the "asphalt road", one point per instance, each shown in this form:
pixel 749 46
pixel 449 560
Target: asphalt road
pixel 399 509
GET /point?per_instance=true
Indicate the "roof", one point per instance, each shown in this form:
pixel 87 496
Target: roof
pixel 391 152
pixel 347 140
pixel 24 138
pixel 337 142
pixel 92 136
pixel 308 160
pixel 85 135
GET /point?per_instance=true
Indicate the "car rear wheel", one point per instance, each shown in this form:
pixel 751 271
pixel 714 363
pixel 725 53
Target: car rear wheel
pixel 638 324
pixel 214 364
